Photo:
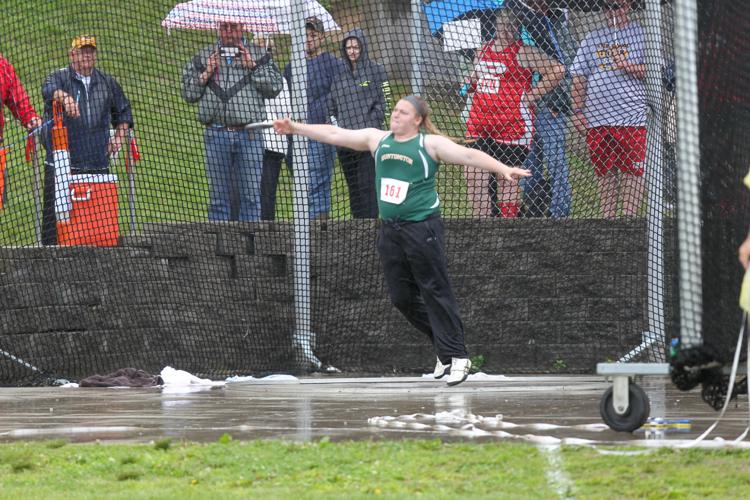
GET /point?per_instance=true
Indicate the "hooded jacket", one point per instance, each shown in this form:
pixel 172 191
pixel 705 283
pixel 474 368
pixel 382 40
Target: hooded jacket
pixel 357 99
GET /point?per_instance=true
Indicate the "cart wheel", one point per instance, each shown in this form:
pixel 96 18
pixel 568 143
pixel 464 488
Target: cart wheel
pixel 634 417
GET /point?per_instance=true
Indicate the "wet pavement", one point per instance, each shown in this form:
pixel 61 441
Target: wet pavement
pixel 542 409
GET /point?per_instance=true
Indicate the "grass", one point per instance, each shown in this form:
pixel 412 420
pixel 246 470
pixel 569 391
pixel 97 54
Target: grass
pixel 666 473
pixel 402 469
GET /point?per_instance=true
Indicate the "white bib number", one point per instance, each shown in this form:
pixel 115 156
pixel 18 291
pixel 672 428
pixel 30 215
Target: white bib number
pixel 393 190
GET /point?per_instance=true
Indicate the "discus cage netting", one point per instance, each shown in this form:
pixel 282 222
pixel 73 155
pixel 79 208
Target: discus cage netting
pixel 197 246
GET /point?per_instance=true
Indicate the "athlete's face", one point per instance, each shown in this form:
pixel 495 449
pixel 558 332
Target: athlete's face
pixel 404 118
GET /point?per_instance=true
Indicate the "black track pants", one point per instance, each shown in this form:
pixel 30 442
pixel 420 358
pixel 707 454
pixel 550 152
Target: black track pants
pixel 414 263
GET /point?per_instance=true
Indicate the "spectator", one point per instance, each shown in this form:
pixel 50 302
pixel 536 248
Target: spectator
pixel 274 153
pixel 275 146
pixel 230 81
pixel 14 96
pixel 501 113
pixel 410 239
pixel 547 29
pixel 357 101
pixel 92 101
pixel 609 105
pixel 322 68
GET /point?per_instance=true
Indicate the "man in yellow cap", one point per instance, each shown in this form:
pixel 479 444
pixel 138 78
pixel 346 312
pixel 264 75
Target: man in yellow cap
pixel 92 102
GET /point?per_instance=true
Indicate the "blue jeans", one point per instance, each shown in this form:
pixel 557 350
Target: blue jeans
pixel 228 151
pixel 549 144
pixel 320 159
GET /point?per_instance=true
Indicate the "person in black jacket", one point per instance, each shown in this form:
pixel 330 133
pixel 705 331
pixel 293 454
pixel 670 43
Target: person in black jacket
pixel 357 101
pixel 92 101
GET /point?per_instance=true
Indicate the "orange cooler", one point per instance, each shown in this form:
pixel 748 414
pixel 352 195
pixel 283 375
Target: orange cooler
pixel 92 218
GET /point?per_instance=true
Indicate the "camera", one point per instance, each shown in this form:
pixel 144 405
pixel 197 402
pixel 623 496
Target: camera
pixel 229 51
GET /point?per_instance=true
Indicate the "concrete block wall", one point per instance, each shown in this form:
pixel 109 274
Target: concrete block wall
pixel 218 298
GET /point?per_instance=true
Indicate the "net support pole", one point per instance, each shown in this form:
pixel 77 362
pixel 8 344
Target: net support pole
pixel 415 28
pixel 303 336
pixel 130 171
pixel 654 337
pixel 688 178
pixel 37 191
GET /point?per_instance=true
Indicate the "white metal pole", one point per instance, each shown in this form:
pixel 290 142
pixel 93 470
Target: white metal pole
pixel 37 191
pixel 130 172
pixel 655 335
pixel 303 335
pixel 415 30
pixel 688 178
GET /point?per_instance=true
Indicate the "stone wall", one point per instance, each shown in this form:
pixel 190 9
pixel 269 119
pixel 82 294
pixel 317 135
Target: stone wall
pixel 218 298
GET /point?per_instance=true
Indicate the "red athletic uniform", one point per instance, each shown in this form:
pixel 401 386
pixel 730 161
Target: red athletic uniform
pixel 498 111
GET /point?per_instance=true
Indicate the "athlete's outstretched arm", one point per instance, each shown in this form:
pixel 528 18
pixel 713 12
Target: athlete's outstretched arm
pixel 444 150
pixel 365 139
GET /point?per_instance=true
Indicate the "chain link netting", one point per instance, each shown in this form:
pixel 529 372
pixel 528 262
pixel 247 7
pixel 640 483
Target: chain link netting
pixel 150 216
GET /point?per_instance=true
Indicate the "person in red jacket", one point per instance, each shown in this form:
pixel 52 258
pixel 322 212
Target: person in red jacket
pixel 501 116
pixel 14 97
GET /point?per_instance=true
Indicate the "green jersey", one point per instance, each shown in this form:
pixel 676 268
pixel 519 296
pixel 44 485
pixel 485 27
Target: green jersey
pixel 405 179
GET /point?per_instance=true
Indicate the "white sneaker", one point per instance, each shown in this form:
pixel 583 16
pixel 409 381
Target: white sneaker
pixel 460 368
pixel 441 369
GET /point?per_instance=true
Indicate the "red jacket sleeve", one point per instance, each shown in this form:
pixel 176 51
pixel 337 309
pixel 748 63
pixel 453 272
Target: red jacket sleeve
pixel 14 95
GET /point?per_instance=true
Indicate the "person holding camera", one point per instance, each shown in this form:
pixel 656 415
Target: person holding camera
pixel 92 102
pixel 230 81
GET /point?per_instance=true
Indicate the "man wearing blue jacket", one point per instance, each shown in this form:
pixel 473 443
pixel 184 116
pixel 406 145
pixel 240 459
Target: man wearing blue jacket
pixel 357 101
pixel 92 101
pixel 322 68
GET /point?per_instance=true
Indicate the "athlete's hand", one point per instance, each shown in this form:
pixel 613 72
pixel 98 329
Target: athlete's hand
pixel 515 173
pixel 283 126
pixel 744 252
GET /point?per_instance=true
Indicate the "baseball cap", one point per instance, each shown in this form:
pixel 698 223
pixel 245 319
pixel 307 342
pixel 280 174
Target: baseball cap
pixel 83 41
pixel 314 24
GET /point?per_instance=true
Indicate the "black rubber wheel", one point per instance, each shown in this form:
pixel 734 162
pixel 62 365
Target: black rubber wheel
pixel 636 414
